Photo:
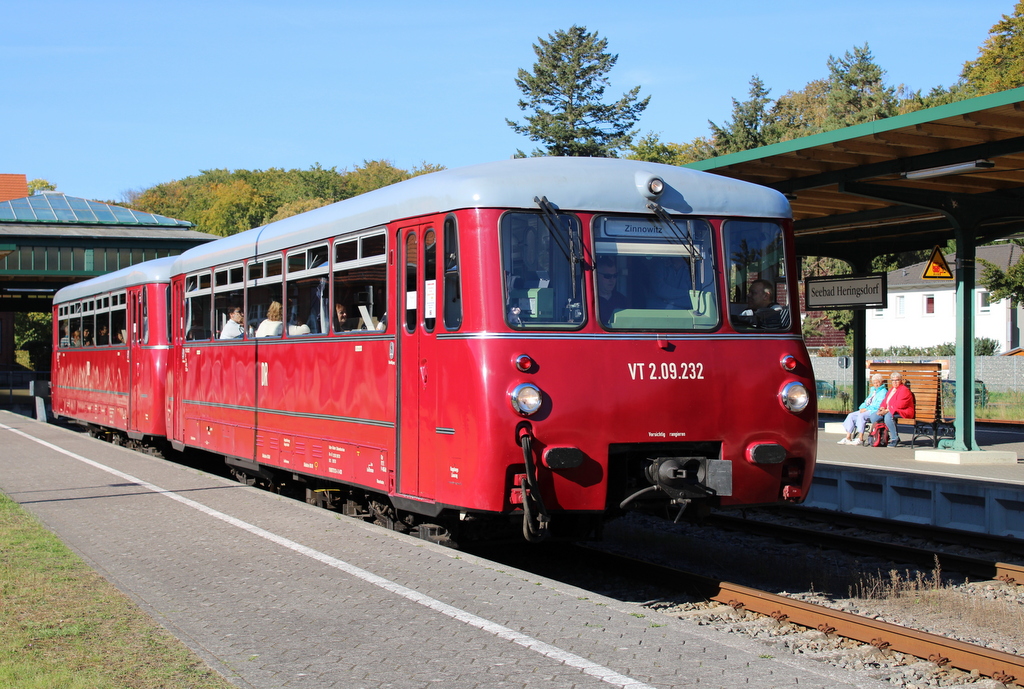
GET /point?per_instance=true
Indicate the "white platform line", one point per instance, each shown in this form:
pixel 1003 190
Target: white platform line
pixel 553 652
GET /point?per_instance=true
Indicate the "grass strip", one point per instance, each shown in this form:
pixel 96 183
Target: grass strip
pixel 63 625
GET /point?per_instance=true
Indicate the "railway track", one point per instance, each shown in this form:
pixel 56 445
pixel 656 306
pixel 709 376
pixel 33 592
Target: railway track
pixel 943 651
pixel 887 637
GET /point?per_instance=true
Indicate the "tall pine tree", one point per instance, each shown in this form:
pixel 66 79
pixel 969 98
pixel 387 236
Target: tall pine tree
pixel 752 124
pixel 856 91
pixel 565 92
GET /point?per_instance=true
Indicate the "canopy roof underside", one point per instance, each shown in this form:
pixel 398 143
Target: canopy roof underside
pixel 847 187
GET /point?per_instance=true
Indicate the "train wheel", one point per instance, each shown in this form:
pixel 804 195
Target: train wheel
pixel 243 477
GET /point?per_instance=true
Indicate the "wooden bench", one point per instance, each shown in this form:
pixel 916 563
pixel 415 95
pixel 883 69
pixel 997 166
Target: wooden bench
pixel 925 381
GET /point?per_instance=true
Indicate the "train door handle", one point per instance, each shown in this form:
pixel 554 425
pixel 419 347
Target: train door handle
pixel 423 373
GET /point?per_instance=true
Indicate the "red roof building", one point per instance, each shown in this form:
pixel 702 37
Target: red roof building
pixel 13 187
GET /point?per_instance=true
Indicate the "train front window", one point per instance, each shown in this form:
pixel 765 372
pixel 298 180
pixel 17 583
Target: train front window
pixel 542 270
pixel 758 295
pixel 654 275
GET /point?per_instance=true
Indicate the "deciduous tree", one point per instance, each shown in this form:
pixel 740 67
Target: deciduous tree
pixel 36 185
pixel 1000 64
pixel 1009 283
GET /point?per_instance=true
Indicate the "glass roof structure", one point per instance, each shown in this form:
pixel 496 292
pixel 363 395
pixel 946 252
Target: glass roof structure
pixel 54 207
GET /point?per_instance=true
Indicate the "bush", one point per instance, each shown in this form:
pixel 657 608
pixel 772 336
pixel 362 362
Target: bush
pixel 983 346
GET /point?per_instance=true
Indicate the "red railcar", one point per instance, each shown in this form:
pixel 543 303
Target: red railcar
pixel 538 341
pixel 111 349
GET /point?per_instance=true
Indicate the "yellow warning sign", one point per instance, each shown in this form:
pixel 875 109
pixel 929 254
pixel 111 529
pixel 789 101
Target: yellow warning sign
pixel 937 268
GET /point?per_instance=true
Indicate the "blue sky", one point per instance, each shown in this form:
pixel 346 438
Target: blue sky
pixel 103 97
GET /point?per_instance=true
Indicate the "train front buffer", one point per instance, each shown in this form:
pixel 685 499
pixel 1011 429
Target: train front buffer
pixel 675 428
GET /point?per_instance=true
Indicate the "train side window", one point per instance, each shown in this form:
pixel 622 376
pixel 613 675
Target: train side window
pixel 308 308
pixel 228 296
pixel 103 327
pixel 144 315
pixel 197 307
pixel 429 280
pixel 411 270
pixel 452 288
pixel 360 284
pixel 757 276
pixel 88 323
pixel 118 320
pixel 373 245
pixel 265 316
pixel 346 251
pixel 76 324
pixel 64 328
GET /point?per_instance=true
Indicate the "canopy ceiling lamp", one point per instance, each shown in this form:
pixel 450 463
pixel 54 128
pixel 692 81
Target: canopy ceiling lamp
pixel 955 169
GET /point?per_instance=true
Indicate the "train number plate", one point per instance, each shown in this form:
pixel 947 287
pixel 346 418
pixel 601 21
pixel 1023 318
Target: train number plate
pixel 684 370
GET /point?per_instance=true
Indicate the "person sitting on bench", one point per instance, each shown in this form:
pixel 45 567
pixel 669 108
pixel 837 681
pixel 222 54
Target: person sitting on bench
pixel 899 402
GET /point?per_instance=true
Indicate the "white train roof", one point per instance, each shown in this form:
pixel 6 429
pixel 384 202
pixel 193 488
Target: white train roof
pixel 157 270
pixel 606 185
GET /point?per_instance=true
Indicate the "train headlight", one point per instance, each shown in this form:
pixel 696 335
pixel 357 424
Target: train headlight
pixel 649 185
pixel 526 398
pixel 794 397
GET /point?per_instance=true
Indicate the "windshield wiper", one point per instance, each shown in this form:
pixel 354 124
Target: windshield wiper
pixel 550 218
pixel 571 246
pixel 685 238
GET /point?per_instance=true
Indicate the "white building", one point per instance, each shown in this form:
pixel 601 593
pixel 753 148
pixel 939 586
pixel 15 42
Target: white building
pixel 922 313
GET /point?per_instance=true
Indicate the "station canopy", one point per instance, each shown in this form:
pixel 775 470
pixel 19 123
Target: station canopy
pixel 50 240
pixel 892 185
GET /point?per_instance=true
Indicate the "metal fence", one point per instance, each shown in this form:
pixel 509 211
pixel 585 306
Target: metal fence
pixel 14 386
pixel 999 373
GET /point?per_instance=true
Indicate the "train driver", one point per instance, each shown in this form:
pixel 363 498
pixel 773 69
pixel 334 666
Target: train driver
pixel 233 330
pixel 762 307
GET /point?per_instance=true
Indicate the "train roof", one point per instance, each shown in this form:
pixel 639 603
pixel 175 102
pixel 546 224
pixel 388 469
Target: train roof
pixel 606 185
pixel 156 270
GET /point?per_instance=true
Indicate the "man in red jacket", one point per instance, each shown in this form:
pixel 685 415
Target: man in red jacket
pixel 898 403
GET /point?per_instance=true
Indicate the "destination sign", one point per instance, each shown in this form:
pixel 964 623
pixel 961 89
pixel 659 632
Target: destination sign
pixel 635 227
pixel 846 292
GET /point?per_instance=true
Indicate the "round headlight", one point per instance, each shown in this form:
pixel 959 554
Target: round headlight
pixel 794 396
pixel 526 398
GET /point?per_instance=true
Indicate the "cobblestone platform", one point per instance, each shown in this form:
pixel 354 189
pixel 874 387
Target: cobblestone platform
pixel 275 593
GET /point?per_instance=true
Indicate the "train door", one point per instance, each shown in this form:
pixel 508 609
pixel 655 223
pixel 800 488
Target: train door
pixel 417 294
pixel 136 360
pixel 176 365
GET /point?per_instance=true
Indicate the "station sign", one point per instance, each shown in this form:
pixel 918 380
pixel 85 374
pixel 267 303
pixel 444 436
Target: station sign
pixel 846 292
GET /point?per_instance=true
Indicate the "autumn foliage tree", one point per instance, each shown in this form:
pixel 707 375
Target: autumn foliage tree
pixel 1000 63
pixel 225 202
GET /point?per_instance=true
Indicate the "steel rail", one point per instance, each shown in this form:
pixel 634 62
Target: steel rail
pixel 1003 667
pixel 943 651
pixel 988 569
